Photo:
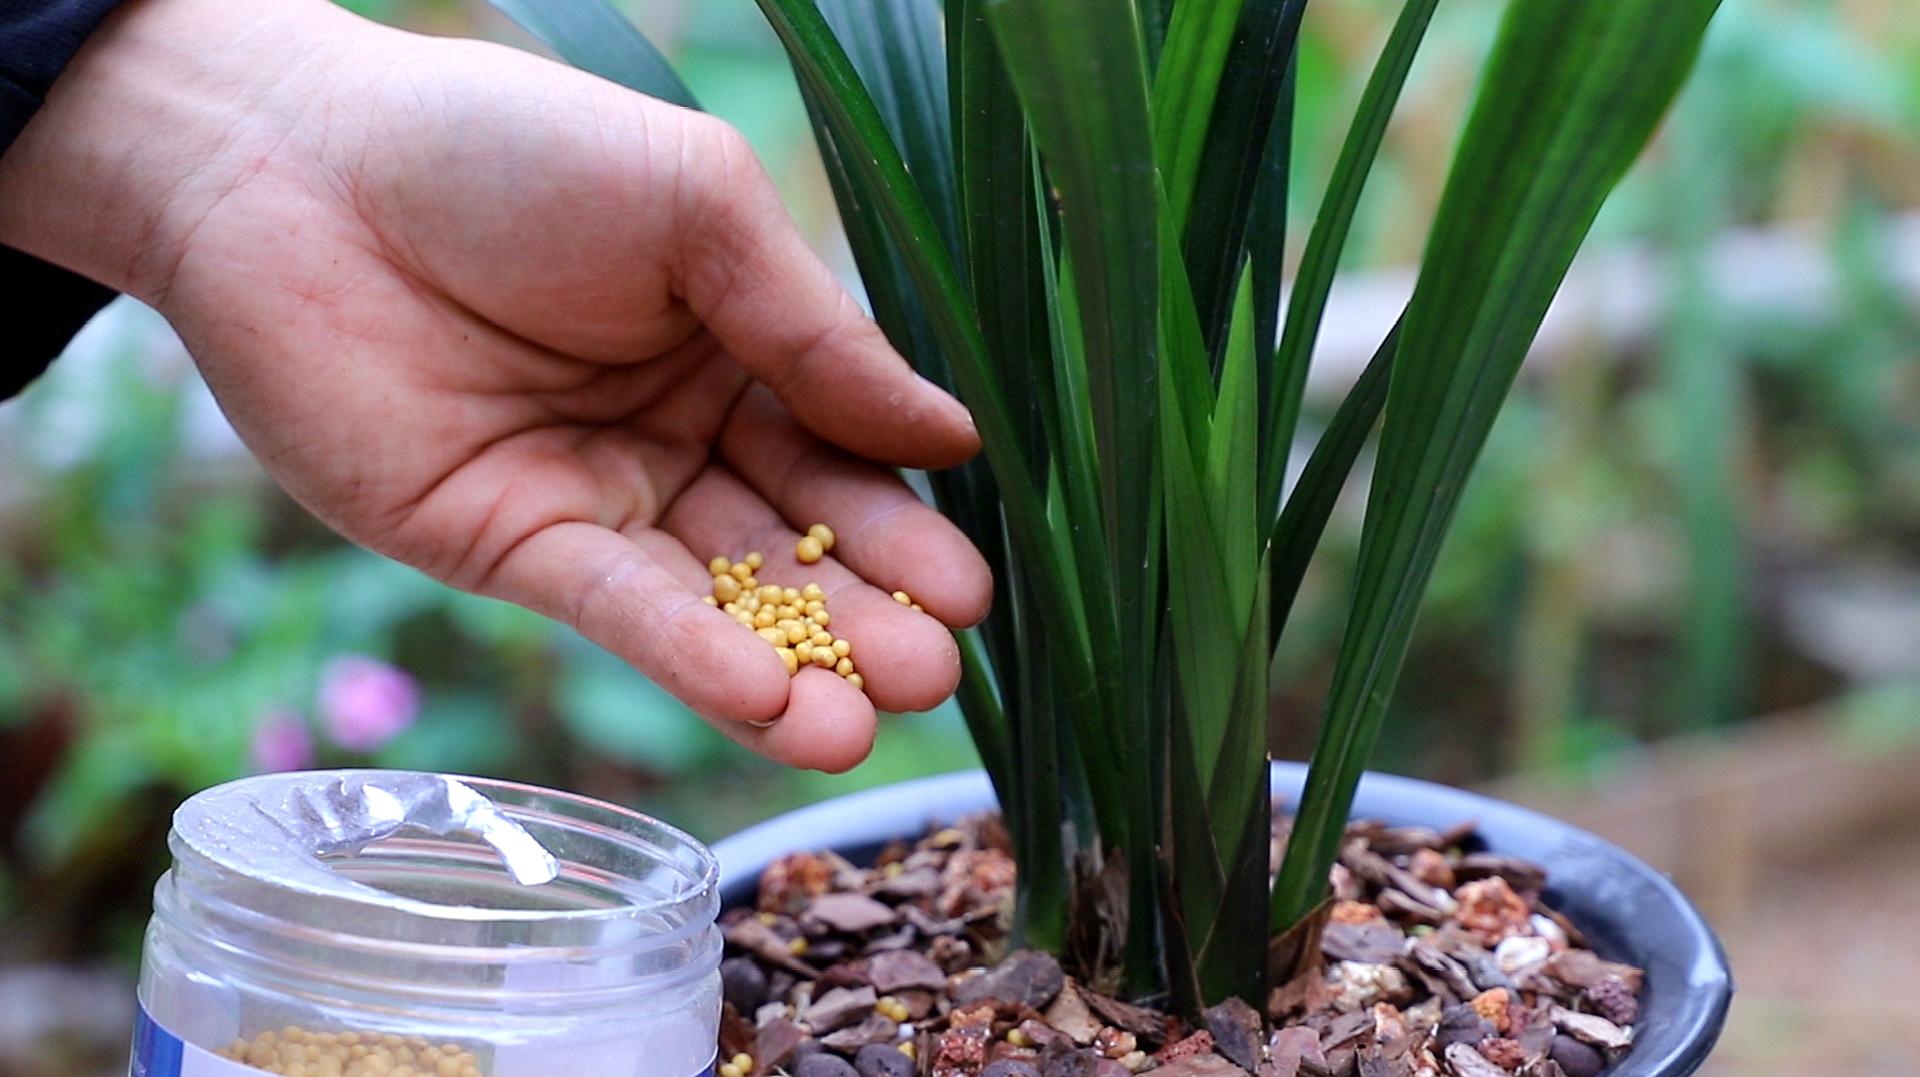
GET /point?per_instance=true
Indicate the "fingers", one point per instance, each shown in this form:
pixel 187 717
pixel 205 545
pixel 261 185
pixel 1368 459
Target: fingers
pixel 885 533
pixel 908 660
pixel 828 725
pixel 638 599
pixel 749 276
pixel 638 596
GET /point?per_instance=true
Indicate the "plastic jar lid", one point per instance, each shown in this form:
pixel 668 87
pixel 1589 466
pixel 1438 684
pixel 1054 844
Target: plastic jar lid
pixel 384 890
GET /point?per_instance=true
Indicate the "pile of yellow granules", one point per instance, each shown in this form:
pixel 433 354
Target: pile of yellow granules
pixel 793 620
pixel 296 1052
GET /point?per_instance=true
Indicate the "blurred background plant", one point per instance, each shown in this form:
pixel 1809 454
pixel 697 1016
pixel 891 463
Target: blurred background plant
pixel 1701 507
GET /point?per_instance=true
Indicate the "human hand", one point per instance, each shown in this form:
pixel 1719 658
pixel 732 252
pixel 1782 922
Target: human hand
pixel 540 337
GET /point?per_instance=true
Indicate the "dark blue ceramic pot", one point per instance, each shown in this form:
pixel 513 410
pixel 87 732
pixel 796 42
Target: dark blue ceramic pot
pixel 1629 911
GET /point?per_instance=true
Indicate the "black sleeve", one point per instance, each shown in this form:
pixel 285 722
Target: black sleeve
pixel 41 306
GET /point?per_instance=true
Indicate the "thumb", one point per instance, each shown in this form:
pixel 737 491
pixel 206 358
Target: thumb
pixel 777 309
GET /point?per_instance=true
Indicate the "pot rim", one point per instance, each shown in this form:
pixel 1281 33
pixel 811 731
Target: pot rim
pixel 1694 965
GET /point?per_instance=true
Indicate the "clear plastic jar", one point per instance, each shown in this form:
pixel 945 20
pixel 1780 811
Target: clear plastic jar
pixel 314 921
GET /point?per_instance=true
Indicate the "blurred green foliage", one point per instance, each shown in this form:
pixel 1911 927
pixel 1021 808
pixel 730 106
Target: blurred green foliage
pixel 1641 519
pixel 1618 572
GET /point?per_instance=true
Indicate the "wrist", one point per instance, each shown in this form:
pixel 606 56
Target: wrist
pixel 160 115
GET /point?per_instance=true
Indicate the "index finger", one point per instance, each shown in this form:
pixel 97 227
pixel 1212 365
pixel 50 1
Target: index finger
pixel 885 532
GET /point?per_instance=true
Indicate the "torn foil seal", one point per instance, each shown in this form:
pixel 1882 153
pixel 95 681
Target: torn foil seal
pixel 357 809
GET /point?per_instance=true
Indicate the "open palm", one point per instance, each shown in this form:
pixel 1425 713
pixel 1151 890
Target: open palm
pixel 558 343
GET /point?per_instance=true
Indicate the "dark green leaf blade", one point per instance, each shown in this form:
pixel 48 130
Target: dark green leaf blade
pixel 1001 217
pixel 1571 94
pixel 1253 78
pixel 856 128
pixel 1233 456
pixel 1204 631
pixel 1079 72
pixel 593 35
pixel 1297 533
pixel 1191 62
pixel 1308 302
pixel 1231 958
pixel 1199 651
pixel 966 494
pixel 898 48
pixel 1267 239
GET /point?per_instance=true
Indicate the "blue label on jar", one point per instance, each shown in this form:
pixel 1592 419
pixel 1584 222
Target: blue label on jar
pixel 156 1052
pixel 159 1053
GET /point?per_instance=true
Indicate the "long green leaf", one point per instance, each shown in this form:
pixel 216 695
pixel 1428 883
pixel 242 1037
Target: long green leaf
pixel 1227 960
pixel 1008 267
pixel 1184 363
pixel 1155 15
pixel 1192 641
pixel 1297 532
pixel 1218 839
pixel 1079 72
pixel 1077 517
pixel 1044 847
pixel 1001 219
pixel 1267 241
pixel 830 82
pixel 1253 78
pixel 1233 457
pixel 1215 611
pixel 1079 500
pixel 898 48
pixel 967 494
pixel 858 134
pixel 1199 640
pixel 1308 303
pixel 1571 94
pixel 907 86
pixel 1231 959
pixel 981 706
pixel 865 147
pixel 1184 86
pixel 592 35
pixel 1201 614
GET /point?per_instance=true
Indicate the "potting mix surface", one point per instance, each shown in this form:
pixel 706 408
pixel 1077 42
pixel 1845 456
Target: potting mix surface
pixel 1435 959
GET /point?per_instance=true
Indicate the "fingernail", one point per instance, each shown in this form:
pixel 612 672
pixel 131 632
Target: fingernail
pixel 951 404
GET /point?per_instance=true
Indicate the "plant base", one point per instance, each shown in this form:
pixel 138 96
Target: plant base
pixel 1435 957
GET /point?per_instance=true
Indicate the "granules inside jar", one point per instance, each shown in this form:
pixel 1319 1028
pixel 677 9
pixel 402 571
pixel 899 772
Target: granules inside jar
pixel 296 1052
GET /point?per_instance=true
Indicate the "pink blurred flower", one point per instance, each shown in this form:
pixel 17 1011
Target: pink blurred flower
pixel 281 742
pixel 365 702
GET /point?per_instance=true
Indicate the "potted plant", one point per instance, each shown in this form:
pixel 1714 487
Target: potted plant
pixel 1072 213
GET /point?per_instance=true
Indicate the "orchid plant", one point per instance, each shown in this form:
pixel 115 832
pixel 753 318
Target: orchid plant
pixel 1072 213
